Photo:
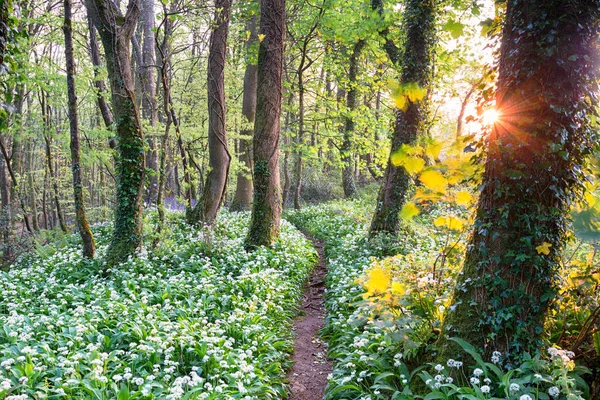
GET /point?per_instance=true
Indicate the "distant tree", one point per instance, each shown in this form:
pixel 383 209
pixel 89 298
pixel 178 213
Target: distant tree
pixel 116 31
pixel 416 66
pixel 80 217
pixel 266 211
pixel 546 93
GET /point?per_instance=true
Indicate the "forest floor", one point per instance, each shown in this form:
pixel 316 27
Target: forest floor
pixel 308 377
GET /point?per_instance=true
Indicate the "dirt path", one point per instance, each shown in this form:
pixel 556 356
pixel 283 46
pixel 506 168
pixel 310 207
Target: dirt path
pixel 308 377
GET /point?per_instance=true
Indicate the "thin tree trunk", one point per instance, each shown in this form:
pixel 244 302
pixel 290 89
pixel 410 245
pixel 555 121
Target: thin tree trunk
pixel 417 62
pixel 266 213
pixel 89 246
pixel 127 233
pixel 219 157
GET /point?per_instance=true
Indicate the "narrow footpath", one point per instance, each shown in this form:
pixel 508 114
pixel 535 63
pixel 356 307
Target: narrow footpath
pixel 308 377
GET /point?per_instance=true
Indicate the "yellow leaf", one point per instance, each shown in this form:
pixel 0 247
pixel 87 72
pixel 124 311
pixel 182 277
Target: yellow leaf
pixel 409 210
pixel 415 93
pixel 434 180
pixel 378 280
pixel 413 165
pixel 261 37
pixel 463 198
pixel 433 150
pixel 544 248
pixel 400 102
pixel 451 222
pixel 399 289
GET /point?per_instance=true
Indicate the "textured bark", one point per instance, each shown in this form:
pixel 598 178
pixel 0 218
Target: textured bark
pixel 103 106
pixel 82 222
pixel 243 191
pixel 417 63
pixel 348 181
pixel 533 171
pixel 219 157
pixel 266 213
pixel 116 37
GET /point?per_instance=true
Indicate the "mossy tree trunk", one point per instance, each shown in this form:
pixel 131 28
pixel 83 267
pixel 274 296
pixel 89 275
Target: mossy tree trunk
pixel 82 223
pixel 219 158
pixel 243 192
pixel 116 31
pixel 348 182
pixel 417 63
pixel 266 212
pixel 545 96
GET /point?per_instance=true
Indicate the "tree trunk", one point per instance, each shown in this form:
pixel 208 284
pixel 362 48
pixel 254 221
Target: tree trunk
pixel 533 170
pixel 219 158
pixel 417 65
pixel 149 103
pixel 89 246
pixel 107 116
pixel 266 213
pixel 243 191
pixel 348 182
pixel 127 234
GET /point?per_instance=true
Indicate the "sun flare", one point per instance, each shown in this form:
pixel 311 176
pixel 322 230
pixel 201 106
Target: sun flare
pixel 490 117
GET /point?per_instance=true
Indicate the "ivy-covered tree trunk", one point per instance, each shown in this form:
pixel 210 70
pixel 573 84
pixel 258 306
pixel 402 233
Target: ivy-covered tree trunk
pixel 116 31
pixel 80 217
pixel 219 158
pixel 546 93
pixel 266 212
pixel 243 192
pixel 348 182
pixel 417 63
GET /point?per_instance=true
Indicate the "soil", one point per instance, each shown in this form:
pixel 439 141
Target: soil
pixel 308 376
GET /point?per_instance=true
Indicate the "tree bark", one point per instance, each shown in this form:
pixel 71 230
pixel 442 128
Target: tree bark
pixel 243 191
pixel 107 115
pixel 536 153
pixel 87 238
pixel 127 234
pixel 266 213
pixel 417 63
pixel 219 158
